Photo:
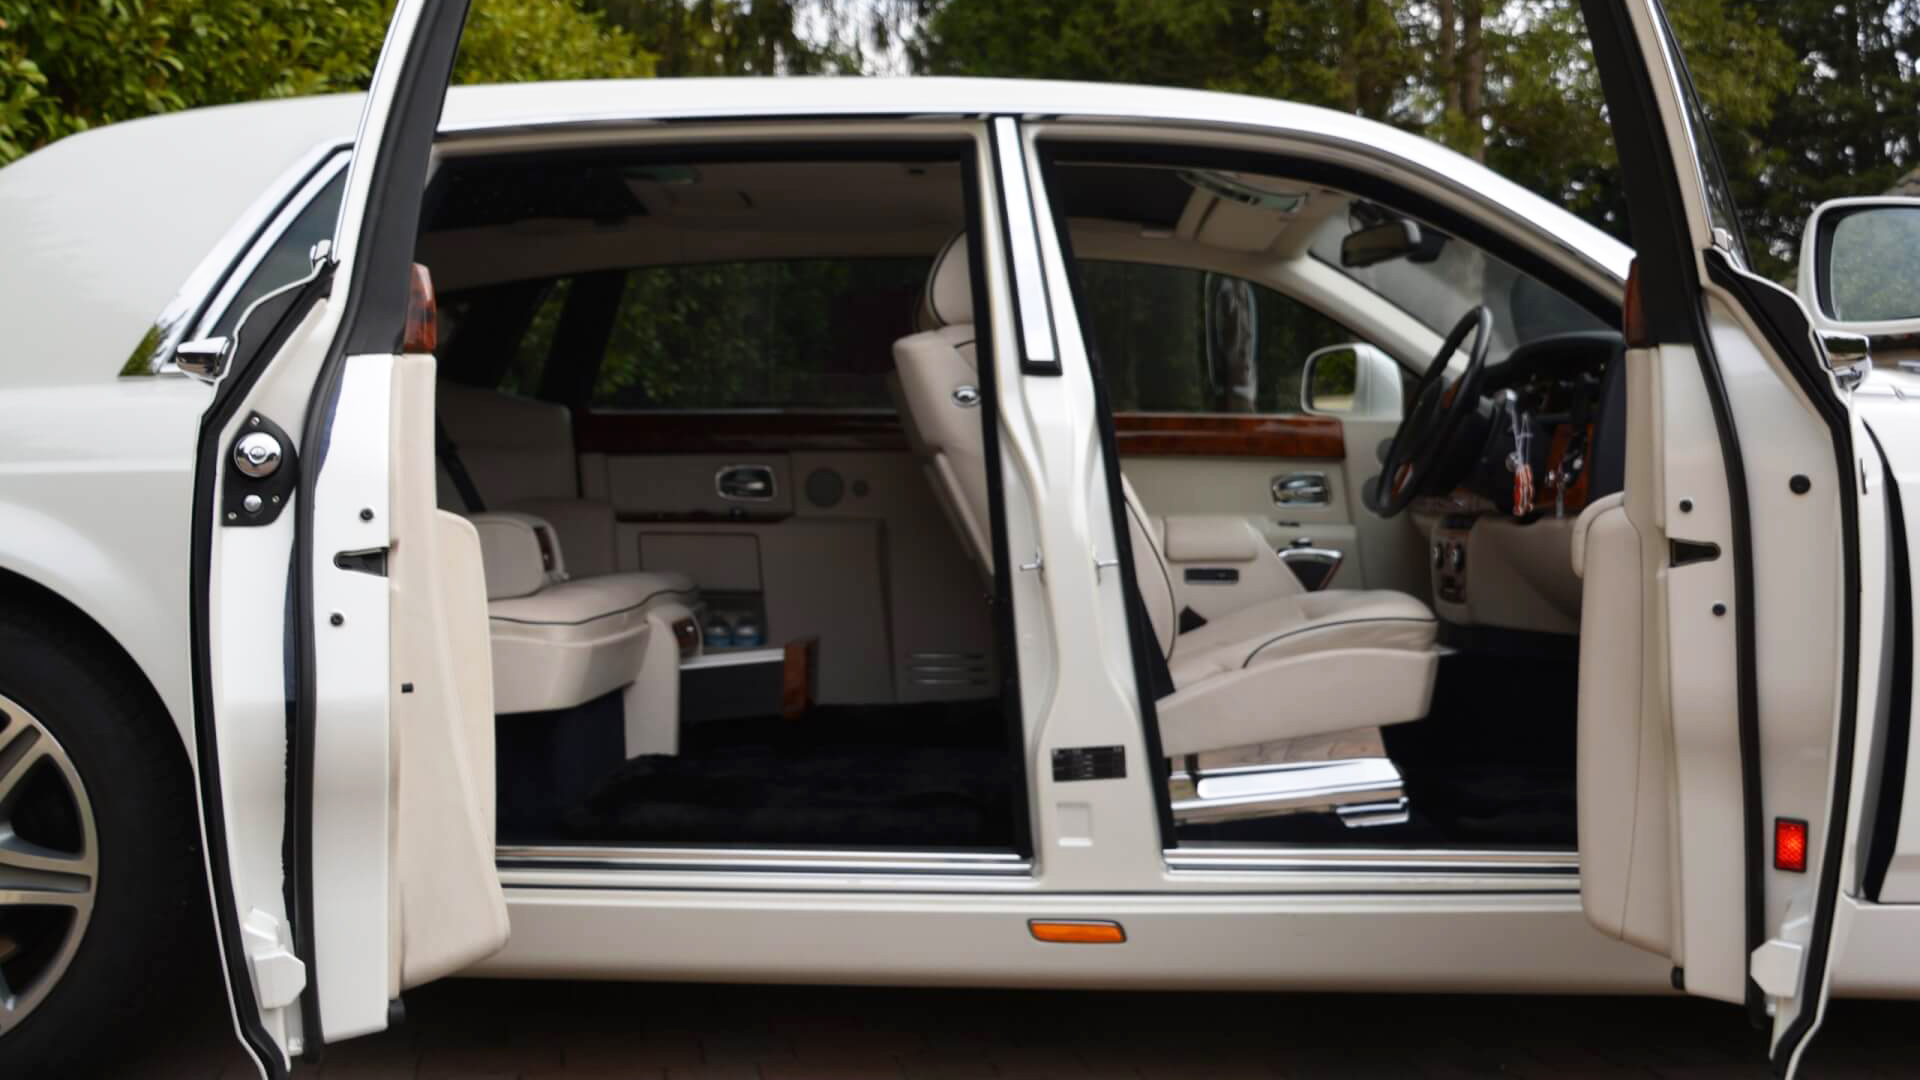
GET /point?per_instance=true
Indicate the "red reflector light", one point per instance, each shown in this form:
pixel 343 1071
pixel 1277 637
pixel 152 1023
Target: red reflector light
pixel 1790 845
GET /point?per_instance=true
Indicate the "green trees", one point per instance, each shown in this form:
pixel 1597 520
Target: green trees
pixel 1809 98
pixel 68 65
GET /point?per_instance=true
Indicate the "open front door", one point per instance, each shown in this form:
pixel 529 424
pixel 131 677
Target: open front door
pixel 341 668
pixel 1723 629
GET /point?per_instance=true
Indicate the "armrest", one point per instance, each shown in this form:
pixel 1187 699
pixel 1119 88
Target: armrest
pixel 1212 538
pixel 520 553
pixel 1584 525
pixel 583 526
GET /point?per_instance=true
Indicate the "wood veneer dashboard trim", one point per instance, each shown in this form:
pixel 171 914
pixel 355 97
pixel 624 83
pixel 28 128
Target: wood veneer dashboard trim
pixel 1139 434
pixel 1316 438
pixel 734 432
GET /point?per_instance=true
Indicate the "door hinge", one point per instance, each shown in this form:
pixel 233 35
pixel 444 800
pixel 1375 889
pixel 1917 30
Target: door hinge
pixel 1778 965
pixel 279 977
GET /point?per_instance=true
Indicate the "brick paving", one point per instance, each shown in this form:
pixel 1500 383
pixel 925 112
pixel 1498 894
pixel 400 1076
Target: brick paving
pixel 484 1030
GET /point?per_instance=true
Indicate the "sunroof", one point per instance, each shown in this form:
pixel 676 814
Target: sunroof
pixel 1152 197
pixel 503 192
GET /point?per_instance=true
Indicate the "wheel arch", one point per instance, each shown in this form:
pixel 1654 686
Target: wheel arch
pixel 21 592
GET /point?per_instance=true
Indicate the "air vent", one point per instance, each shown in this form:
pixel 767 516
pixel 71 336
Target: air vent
pixel 948 669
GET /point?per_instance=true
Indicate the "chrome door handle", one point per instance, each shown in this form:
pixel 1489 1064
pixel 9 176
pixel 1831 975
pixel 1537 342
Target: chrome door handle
pixel 1301 489
pixel 744 483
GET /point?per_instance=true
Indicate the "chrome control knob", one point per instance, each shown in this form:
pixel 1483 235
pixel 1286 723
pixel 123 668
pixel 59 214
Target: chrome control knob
pixel 257 454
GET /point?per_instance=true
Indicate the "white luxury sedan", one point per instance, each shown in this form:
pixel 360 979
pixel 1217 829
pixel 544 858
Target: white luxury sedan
pixel 937 532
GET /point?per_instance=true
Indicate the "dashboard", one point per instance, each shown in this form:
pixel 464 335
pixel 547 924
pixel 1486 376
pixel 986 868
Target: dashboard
pixel 1557 383
pixel 1491 566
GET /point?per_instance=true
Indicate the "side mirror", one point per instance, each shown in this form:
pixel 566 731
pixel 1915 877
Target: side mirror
pixel 1354 381
pixel 204 358
pixel 1379 243
pixel 1859 262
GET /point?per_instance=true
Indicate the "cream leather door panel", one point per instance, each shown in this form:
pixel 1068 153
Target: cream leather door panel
pixel 1174 487
pixel 298 708
pixel 1767 501
pixel 450 910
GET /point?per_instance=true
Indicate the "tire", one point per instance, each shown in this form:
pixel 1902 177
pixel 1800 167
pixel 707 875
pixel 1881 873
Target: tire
pixel 83 712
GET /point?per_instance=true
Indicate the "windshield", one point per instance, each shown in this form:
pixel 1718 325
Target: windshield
pixel 1448 276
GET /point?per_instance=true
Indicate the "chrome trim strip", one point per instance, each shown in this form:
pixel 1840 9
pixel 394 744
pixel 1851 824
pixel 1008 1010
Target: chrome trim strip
pixel 1201 857
pixel 1023 248
pixel 269 235
pixel 214 269
pixel 761 860
pixel 740 658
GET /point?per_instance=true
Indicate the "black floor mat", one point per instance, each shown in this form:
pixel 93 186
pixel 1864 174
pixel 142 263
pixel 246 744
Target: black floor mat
pixel 875 775
pixel 1492 765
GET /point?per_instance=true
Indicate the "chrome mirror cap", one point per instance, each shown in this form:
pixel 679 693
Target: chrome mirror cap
pixel 1847 354
pixel 204 358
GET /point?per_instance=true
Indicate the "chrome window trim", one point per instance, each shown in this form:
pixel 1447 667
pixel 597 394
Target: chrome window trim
pixel 761 860
pixel 290 208
pixel 1029 283
pixel 211 274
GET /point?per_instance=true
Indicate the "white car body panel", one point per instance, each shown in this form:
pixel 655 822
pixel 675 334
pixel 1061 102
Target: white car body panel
pixel 89 452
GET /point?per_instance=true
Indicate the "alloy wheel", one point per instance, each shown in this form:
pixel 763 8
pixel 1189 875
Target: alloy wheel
pixel 49 863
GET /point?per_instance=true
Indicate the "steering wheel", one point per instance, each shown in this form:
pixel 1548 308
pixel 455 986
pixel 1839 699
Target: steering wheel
pixel 1439 409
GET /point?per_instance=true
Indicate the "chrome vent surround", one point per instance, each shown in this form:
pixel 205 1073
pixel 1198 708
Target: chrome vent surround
pixel 949 669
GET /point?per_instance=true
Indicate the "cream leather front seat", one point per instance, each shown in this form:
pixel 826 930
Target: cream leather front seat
pixel 1309 663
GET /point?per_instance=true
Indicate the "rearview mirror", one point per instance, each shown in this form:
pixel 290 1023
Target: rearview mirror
pixel 1378 243
pixel 1354 381
pixel 1860 270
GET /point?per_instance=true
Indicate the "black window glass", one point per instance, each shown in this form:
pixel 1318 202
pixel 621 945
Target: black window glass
pixel 1174 339
pixel 290 257
pixel 799 333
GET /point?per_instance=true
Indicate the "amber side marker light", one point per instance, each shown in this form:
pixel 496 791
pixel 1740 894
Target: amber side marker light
pixel 1790 845
pixel 422 334
pixel 1633 316
pixel 1077 931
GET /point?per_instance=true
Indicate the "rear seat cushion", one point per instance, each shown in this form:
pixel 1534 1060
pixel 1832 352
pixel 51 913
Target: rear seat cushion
pixel 585 600
pixel 573 641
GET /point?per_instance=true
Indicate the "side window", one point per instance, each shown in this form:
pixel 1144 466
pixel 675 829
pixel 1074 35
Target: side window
pixel 781 334
pixel 529 360
pixel 1173 339
pixel 288 260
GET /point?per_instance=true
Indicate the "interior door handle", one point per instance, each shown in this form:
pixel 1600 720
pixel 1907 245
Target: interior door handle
pixel 1301 489
pixel 744 483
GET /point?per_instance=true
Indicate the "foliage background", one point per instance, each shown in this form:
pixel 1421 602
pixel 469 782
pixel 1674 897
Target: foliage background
pixel 1810 99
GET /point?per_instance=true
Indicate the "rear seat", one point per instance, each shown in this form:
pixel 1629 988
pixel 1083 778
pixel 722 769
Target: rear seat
pixel 519 453
pixel 560 638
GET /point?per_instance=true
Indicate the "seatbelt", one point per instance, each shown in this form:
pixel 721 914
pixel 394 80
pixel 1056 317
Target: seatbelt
pixel 1149 657
pixel 449 456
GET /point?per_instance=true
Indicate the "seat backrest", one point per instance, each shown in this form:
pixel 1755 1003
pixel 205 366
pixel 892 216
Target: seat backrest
pixel 939 384
pixel 515 448
pixel 939 378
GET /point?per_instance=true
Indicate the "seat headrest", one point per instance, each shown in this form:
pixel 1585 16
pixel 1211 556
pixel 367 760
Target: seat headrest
pixel 949 297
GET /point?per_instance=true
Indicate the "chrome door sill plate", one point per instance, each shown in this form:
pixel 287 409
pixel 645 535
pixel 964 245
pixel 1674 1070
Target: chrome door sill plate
pixel 1363 791
pixel 760 860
